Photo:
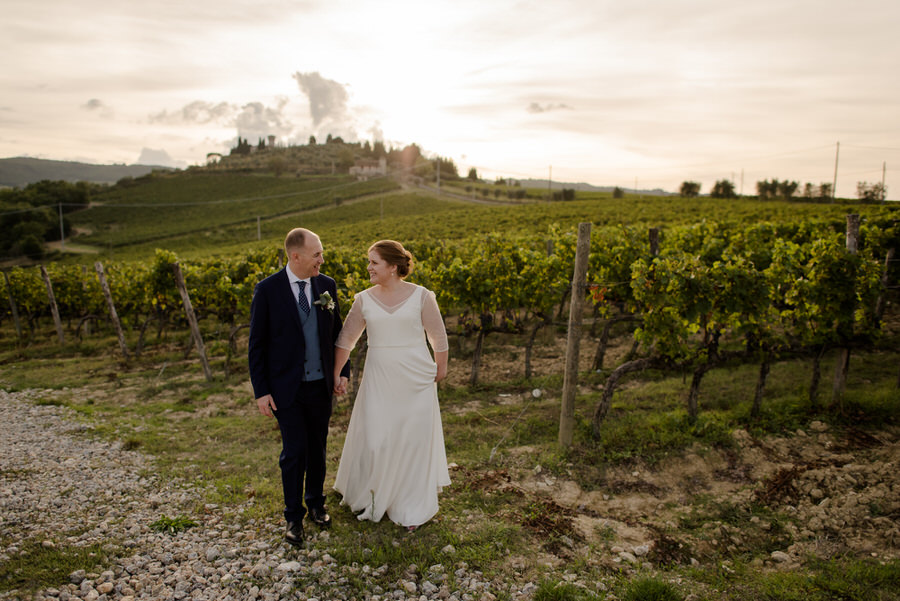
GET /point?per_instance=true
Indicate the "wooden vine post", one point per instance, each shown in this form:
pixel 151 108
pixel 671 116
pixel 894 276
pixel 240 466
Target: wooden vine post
pixel 843 359
pixel 13 307
pixel 192 320
pixel 576 309
pixel 104 286
pixel 54 309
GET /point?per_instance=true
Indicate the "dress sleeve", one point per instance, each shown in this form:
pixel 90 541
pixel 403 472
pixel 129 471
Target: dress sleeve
pixel 353 326
pixel 434 323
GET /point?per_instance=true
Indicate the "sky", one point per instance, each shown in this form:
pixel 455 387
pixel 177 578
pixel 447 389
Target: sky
pixel 643 94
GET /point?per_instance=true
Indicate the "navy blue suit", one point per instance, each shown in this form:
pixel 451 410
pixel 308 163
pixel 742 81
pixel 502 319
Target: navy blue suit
pixel 303 409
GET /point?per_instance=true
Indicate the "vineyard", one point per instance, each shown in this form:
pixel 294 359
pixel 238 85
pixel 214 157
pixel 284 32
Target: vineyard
pixel 736 391
pixel 693 297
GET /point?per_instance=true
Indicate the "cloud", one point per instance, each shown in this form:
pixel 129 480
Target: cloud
pixel 257 120
pixel 376 132
pixel 327 98
pixel 151 156
pixel 251 120
pixel 96 105
pixel 199 112
pixel 536 108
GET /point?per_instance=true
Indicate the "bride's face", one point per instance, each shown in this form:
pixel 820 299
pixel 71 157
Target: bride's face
pixel 379 269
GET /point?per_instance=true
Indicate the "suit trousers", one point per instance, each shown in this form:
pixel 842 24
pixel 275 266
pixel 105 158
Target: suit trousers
pixel 304 435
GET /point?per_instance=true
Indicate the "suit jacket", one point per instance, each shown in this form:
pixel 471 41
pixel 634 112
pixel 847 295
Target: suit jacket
pixel 277 346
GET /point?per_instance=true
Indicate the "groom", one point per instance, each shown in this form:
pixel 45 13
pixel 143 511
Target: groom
pixel 293 326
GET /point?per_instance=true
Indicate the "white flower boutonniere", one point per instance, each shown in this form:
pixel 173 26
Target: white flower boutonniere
pixel 325 301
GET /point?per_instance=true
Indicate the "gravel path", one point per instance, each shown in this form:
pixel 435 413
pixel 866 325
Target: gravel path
pixel 61 487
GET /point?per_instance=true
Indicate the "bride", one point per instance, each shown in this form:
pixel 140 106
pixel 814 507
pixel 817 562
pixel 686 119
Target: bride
pixel 394 460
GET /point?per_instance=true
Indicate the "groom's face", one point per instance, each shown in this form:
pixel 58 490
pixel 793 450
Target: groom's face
pixel 306 260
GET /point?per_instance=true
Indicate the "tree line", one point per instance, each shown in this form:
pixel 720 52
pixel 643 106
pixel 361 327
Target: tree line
pixel 31 216
pixel 785 190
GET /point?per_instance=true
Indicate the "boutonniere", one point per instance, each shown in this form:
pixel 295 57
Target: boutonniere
pixel 325 301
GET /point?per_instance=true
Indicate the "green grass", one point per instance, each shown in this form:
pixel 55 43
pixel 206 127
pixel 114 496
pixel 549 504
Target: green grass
pixel 211 433
pixel 173 525
pixel 205 203
pixel 839 578
pixel 554 590
pixel 651 589
pixel 36 567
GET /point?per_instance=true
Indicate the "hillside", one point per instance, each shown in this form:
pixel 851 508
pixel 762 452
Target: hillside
pixel 20 171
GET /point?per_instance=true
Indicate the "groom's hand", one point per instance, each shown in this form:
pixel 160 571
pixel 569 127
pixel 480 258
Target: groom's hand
pixel 266 405
pixel 340 387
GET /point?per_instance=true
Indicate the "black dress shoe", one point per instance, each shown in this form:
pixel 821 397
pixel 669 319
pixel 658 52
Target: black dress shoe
pixel 320 516
pixel 294 533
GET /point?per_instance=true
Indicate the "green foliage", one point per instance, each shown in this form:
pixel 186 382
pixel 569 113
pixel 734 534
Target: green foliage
pixel 553 590
pixel 31 215
pixel 871 192
pixel 37 566
pixel 722 189
pixel 651 589
pixel 689 189
pixel 771 190
pixel 173 525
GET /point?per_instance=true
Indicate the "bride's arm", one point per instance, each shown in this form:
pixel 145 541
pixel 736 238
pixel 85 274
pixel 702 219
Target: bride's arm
pixel 436 333
pixel 440 358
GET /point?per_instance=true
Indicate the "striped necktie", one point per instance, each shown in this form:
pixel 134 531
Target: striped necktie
pixel 301 298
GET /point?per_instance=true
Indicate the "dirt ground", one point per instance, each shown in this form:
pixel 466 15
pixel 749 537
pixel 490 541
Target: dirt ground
pixel 839 493
pixel 820 492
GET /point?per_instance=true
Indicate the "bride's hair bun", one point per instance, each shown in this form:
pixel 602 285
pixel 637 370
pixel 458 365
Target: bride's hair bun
pixel 393 253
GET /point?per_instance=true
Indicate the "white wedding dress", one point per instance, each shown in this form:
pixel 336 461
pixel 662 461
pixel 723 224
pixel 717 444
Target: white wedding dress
pixel 394 460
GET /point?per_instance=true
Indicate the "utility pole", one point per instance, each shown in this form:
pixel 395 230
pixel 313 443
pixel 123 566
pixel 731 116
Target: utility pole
pixel 439 175
pixel 834 183
pixel 883 189
pixel 742 181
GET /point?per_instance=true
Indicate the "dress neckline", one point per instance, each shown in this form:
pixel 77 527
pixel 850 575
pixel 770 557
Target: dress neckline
pixel 394 307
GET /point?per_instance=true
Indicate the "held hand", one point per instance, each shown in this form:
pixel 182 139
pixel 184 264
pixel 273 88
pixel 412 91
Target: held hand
pixel 266 405
pixel 340 385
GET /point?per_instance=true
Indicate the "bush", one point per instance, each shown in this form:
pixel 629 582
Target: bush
pixel 651 589
pixel 32 247
pixel 551 590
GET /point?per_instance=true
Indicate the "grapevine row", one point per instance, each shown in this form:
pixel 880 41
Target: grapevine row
pixel 710 291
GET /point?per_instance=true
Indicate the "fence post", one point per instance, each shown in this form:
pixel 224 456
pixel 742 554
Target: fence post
pixel 576 308
pixel 843 359
pixel 654 241
pixel 84 287
pixel 192 320
pixel 104 286
pixel 54 309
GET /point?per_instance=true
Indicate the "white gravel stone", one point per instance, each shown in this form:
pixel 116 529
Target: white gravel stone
pixel 73 482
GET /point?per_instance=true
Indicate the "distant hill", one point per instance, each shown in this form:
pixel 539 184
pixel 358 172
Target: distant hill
pixel 21 171
pixel 583 187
